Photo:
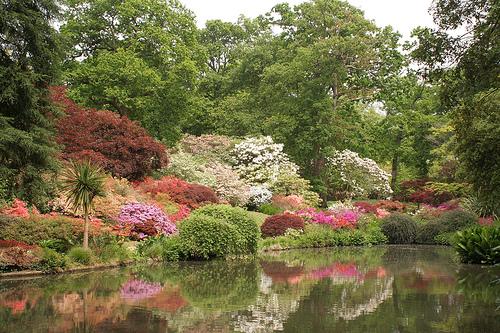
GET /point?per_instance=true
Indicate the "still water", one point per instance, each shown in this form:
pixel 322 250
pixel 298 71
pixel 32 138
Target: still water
pixel 379 289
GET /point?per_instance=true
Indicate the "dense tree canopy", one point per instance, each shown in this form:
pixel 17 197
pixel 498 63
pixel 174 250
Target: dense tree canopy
pixel 138 58
pixel 28 62
pixel 465 64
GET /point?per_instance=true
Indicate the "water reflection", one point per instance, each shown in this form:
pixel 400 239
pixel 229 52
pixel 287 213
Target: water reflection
pixel 380 289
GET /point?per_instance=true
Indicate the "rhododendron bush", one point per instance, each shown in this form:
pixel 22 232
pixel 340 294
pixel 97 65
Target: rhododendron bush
pixel 179 191
pixel 259 195
pixel 145 220
pixel 260 161
pixel 119 145
pixel 350 175
pixel 344 218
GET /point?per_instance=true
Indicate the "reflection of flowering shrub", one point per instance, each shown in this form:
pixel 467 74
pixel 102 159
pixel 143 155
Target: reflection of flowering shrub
pixel 353 176
pixel 336 270
pixel 259 195
pixel 145 220
pixel 138 289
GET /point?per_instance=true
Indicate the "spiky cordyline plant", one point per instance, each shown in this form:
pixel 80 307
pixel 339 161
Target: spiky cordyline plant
pixel 82 182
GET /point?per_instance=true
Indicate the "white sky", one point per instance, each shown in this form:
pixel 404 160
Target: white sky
pixel 403 15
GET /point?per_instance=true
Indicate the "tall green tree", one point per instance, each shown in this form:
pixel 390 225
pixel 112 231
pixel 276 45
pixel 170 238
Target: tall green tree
pixel 463 55
pixel 28 63
pixel 140 58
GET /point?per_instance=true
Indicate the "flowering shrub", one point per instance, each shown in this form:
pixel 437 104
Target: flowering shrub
pixel 228 185
pixel 335 219
pixel 114 142
pixel 14 243
pixel 17 209
pixel 207 145
pixel 350 176
pixel 190 168
pixel 277 225
pixel 366 207
pixel 261 161
pixel 179 191
pixel 138 289
pixel 145 220
pixel 290 183
pixel 259 195
pixel 18 258
pixel 289 202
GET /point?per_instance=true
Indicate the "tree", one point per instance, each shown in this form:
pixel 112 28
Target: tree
pixel 83 182
pixel 466 67
pixel 115 143
pixel 28 54
pixel 139 58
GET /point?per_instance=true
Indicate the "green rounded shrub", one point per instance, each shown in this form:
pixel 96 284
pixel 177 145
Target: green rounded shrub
pixel 80 255
pixel 427 233
pixel 52 261
pixel 457 220
pixel 205 237
pixel 240 219
pixel 167 248
pixel 478 245
pixel 399 229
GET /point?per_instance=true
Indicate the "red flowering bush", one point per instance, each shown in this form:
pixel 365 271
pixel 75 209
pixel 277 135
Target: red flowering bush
pixel 179 191
pixel 366 207
pixel 277 225
pixel 14 243
pixel 392 206
pixel 116 143
pixel 18 258
pixel 17 209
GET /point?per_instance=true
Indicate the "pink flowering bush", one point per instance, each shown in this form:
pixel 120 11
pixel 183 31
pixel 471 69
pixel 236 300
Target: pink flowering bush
pixel 335 219
pixel 138 289
pixel 17 209
pixel 145 220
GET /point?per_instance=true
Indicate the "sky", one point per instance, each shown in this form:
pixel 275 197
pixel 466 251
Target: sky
pixel 403 15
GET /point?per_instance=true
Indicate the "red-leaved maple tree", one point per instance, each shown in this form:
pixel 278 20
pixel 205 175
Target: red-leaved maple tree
pixel 119 145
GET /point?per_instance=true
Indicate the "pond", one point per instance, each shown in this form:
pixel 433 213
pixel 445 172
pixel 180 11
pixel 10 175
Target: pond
pixel 378 289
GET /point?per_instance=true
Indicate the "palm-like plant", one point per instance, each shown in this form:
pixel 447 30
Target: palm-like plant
pixel 82 182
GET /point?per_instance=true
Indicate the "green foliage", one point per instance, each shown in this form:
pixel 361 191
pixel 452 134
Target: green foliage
pixel 58 245
pixel 36 230
pixel 457 190
pixel 456 220
pixel 162 248
pixel 82 183
pixel 479 245
pixel 469 87
pixel 245 225
pixel 399 229
pixel 316 236
pixel 144 68
pixel 206 237
pixel 270 209
pixel 52 261
pixel 29 56
pixel 427 232
pixel 80 255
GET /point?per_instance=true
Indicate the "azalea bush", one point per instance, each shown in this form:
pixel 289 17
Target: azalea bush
pixel 145 220
pixel 336 219
pixel 179 191
pixel 349 175
pixel 259 195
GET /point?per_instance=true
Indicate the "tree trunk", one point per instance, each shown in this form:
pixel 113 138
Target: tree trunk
pixel 86 231
pixel 395 163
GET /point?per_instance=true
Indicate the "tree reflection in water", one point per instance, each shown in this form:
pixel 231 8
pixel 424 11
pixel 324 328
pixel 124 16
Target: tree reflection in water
pixel 380 289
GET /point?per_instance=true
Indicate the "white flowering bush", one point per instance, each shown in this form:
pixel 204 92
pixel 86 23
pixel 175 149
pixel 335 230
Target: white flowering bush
pixel 260 161
pixel 228 185
pixel 350 175
pixel 259 195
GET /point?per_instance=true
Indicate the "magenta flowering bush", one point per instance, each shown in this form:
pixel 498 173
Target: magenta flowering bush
pixel 138 289
pixel 145 220
pixel 334 219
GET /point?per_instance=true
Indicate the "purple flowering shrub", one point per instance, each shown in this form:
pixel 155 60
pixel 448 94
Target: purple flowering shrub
pixel 138 289
pixel 143 220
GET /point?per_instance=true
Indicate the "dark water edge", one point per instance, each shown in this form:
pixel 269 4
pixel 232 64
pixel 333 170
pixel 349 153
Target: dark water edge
pixel 377 289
